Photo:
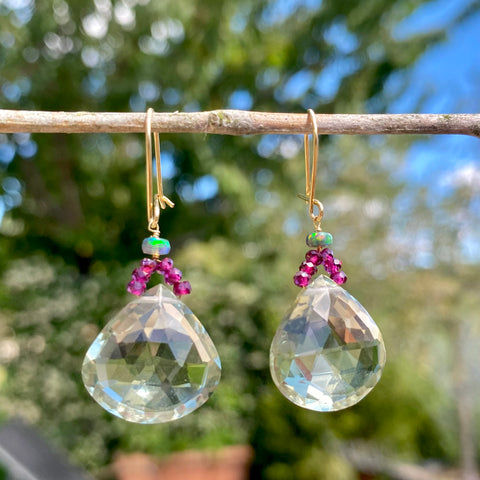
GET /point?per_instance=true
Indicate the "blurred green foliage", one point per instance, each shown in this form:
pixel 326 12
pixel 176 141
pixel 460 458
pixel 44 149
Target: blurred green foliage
pixel 67 251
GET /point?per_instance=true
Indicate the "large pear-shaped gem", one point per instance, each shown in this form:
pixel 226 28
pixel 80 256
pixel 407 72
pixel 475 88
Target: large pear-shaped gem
pixel 153 362
pixel 327 353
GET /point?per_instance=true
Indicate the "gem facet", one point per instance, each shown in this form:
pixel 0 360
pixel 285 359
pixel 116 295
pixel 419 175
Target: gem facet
pixel 328 353
pixel 319 239
pixel 155 246
pixel 153 362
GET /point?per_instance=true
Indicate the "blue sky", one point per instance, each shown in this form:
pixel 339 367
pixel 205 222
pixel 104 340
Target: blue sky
pixel 444 80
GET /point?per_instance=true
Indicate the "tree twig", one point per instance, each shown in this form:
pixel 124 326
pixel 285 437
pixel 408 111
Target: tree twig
pixel 238 122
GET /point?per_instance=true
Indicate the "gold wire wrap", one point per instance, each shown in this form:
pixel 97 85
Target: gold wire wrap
pixel 157 201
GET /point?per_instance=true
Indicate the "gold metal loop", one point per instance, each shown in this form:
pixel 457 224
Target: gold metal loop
pixel 317 217
pixel 154 222
pixel 157 201
pixel 311 172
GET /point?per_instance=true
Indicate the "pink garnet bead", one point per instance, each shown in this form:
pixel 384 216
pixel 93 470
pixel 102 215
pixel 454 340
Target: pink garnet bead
pixel 164 265
pixel 173 276
pixel 336 265
pixel 313 256
pixel 327 255
pixel 136 287
pixel 333 266
pixel 148 265
pixel 301 279
pixel 308 267
pixel 182 288
pixel 140 275
pixel 339 278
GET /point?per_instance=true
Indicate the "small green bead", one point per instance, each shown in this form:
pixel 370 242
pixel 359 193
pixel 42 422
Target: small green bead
pixel 319 239
pixel 155 246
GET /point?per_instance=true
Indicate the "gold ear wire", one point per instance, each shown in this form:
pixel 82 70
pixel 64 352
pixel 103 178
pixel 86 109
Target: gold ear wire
pixel 157 201
pixel 311 173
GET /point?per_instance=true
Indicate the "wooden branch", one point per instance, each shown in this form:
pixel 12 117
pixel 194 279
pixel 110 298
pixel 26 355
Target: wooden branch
pixel 238 122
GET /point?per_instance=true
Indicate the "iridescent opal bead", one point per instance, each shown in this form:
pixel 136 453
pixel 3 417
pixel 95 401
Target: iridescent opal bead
pixel 319 239
pixel 155 246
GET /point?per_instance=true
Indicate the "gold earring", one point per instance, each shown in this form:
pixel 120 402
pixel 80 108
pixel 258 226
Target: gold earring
pixel 327 353
pixel 153 362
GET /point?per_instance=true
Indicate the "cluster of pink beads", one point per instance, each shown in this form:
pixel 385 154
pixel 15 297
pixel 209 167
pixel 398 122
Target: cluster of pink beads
pixel 148 267
pixel 315 258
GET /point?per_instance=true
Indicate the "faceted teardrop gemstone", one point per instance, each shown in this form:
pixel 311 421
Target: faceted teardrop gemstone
pixel 327 353
pixel 153 362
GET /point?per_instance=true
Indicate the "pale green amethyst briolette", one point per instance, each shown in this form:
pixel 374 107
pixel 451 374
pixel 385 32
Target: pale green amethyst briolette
pixel 327 353
pixel 153 362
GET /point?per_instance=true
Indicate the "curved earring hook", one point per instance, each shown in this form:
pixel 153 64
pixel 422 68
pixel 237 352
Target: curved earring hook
pixel 311 172
pixel 158 201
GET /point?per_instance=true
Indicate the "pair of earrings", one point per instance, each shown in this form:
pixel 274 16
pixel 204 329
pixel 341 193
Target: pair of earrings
pixel 154 362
